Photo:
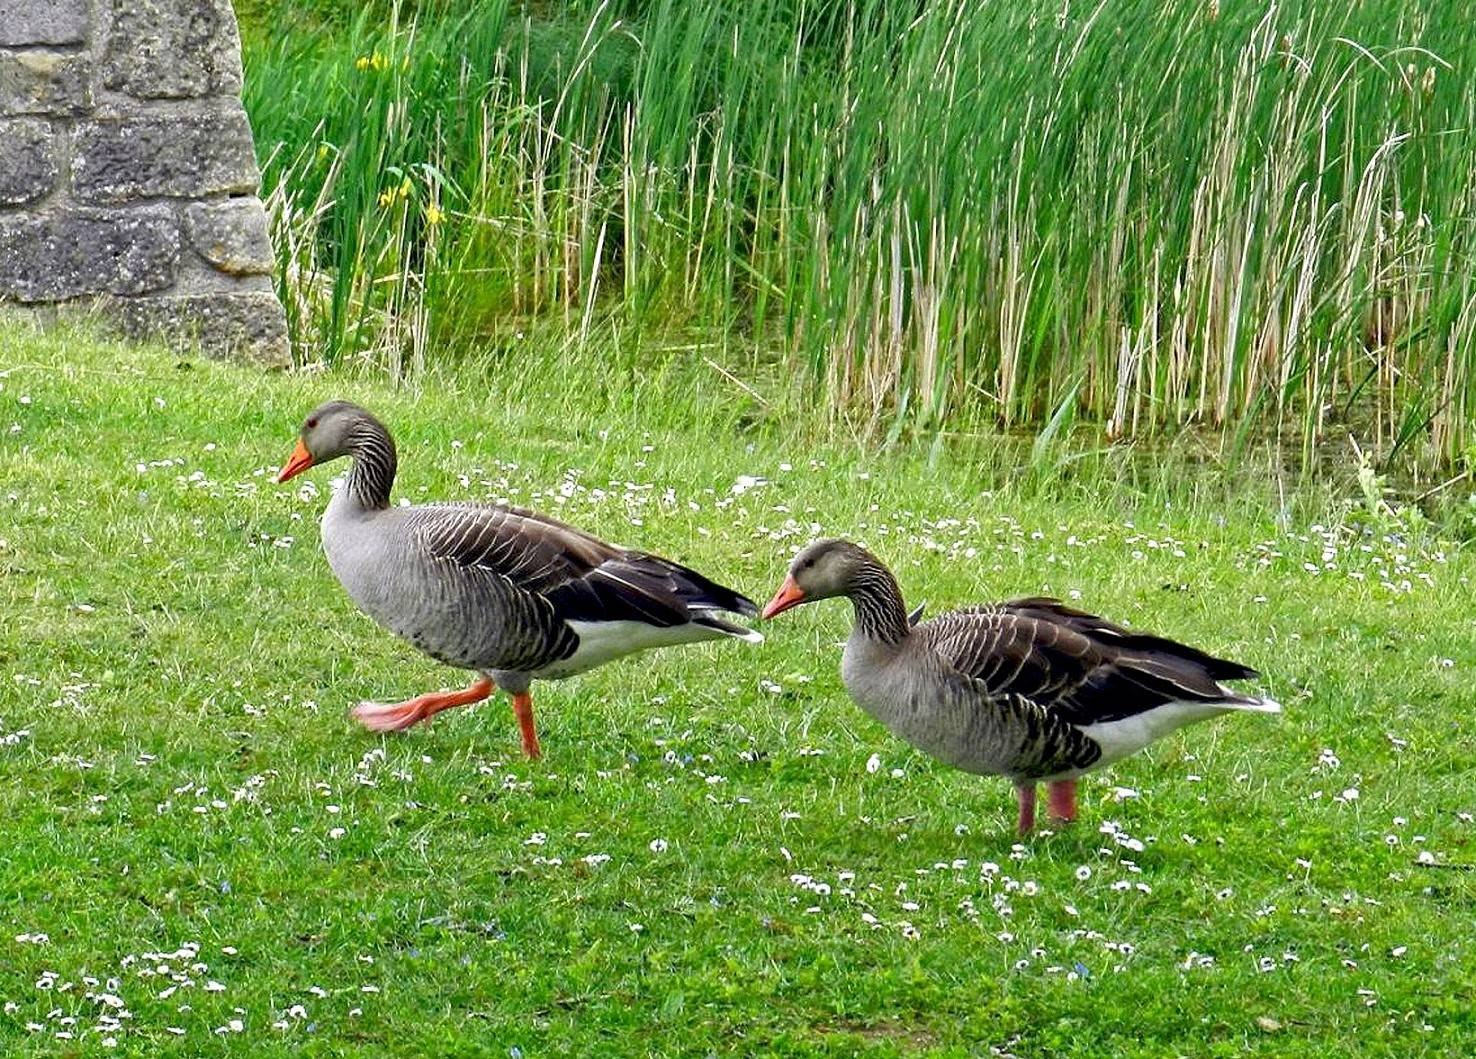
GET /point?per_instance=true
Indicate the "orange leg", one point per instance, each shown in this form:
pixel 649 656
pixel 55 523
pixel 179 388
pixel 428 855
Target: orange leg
pixel 523 708
pixel 1061 800
pixel 1025 795
pixel 397 716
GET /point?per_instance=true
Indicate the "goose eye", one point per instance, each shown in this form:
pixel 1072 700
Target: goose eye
pixel 311 423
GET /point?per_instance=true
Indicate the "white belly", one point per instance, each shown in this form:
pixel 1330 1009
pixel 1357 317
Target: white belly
pixel 605 641
pixel 1125 737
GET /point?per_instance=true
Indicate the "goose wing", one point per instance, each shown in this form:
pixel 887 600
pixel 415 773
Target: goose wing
pixel 1105 632
pixel 580 576
pixel 1076 667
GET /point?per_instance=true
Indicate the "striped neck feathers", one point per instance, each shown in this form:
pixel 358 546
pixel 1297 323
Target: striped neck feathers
pixel 372 473
pixel 880 611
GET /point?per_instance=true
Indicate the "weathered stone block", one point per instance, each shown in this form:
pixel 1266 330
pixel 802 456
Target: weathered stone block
pixel 173 49
pixel 123 148
pixel 231 234
pixel 44 82
pixel 247 324
pixel 42 22
pixel 28 161
pixel 184 155
pixel 67 253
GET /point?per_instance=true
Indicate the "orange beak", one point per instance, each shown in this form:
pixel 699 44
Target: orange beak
pixel 300 460
pixel 789 595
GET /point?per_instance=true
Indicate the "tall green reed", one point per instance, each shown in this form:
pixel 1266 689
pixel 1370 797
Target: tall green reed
pixel 1255 217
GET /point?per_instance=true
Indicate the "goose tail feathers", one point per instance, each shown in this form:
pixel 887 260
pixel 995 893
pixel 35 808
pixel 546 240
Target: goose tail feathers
pixel 1250 703
pixel 702 594
pixel 727 628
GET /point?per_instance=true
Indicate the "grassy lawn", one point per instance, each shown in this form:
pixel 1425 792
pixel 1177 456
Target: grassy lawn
pixel 719 854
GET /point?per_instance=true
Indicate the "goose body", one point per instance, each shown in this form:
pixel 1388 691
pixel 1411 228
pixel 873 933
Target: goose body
pixel 1032 690
pixel 511 594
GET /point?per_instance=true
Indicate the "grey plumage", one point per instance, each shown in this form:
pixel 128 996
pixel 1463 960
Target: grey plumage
pixel 1032 690
pixel 504 591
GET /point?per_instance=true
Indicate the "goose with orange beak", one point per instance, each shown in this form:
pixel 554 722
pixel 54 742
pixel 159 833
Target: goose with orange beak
pixel 510 594
pixel 1031 690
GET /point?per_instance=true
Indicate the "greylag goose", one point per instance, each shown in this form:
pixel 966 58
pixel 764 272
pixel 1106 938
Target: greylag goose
pixel 513 595
pixel 1032 690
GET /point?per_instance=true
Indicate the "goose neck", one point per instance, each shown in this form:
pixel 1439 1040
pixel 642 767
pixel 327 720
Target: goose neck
pixel 880 612
pixel 372 473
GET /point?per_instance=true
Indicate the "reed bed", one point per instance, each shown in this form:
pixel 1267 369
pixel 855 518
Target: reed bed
pixel 1256 218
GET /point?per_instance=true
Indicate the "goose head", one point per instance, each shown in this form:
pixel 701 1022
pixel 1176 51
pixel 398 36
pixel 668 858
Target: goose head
pixel 822 570
pixel 327 433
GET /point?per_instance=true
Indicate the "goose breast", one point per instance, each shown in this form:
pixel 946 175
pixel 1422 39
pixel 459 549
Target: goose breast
pixel 454 615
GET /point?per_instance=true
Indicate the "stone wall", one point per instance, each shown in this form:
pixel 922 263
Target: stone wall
pixel 127 176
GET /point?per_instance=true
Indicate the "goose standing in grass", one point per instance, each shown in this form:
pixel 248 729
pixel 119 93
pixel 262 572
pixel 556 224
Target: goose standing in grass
pixel 1031 690
pixel 511 594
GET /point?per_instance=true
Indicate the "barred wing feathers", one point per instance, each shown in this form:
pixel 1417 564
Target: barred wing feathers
pixel 1078 667
pixel 582 577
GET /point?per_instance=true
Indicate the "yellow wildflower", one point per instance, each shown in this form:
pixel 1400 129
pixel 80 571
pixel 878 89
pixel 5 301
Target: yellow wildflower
pixel 398 193
pixel 434 215
pixel 361 63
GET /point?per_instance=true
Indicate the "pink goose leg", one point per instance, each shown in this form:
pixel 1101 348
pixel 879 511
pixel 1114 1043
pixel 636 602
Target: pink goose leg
pixel 397 716
pixel 1061 800
pixel 1025 795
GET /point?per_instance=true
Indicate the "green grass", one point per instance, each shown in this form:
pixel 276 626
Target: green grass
pixel 175 759
pixel 1144 215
